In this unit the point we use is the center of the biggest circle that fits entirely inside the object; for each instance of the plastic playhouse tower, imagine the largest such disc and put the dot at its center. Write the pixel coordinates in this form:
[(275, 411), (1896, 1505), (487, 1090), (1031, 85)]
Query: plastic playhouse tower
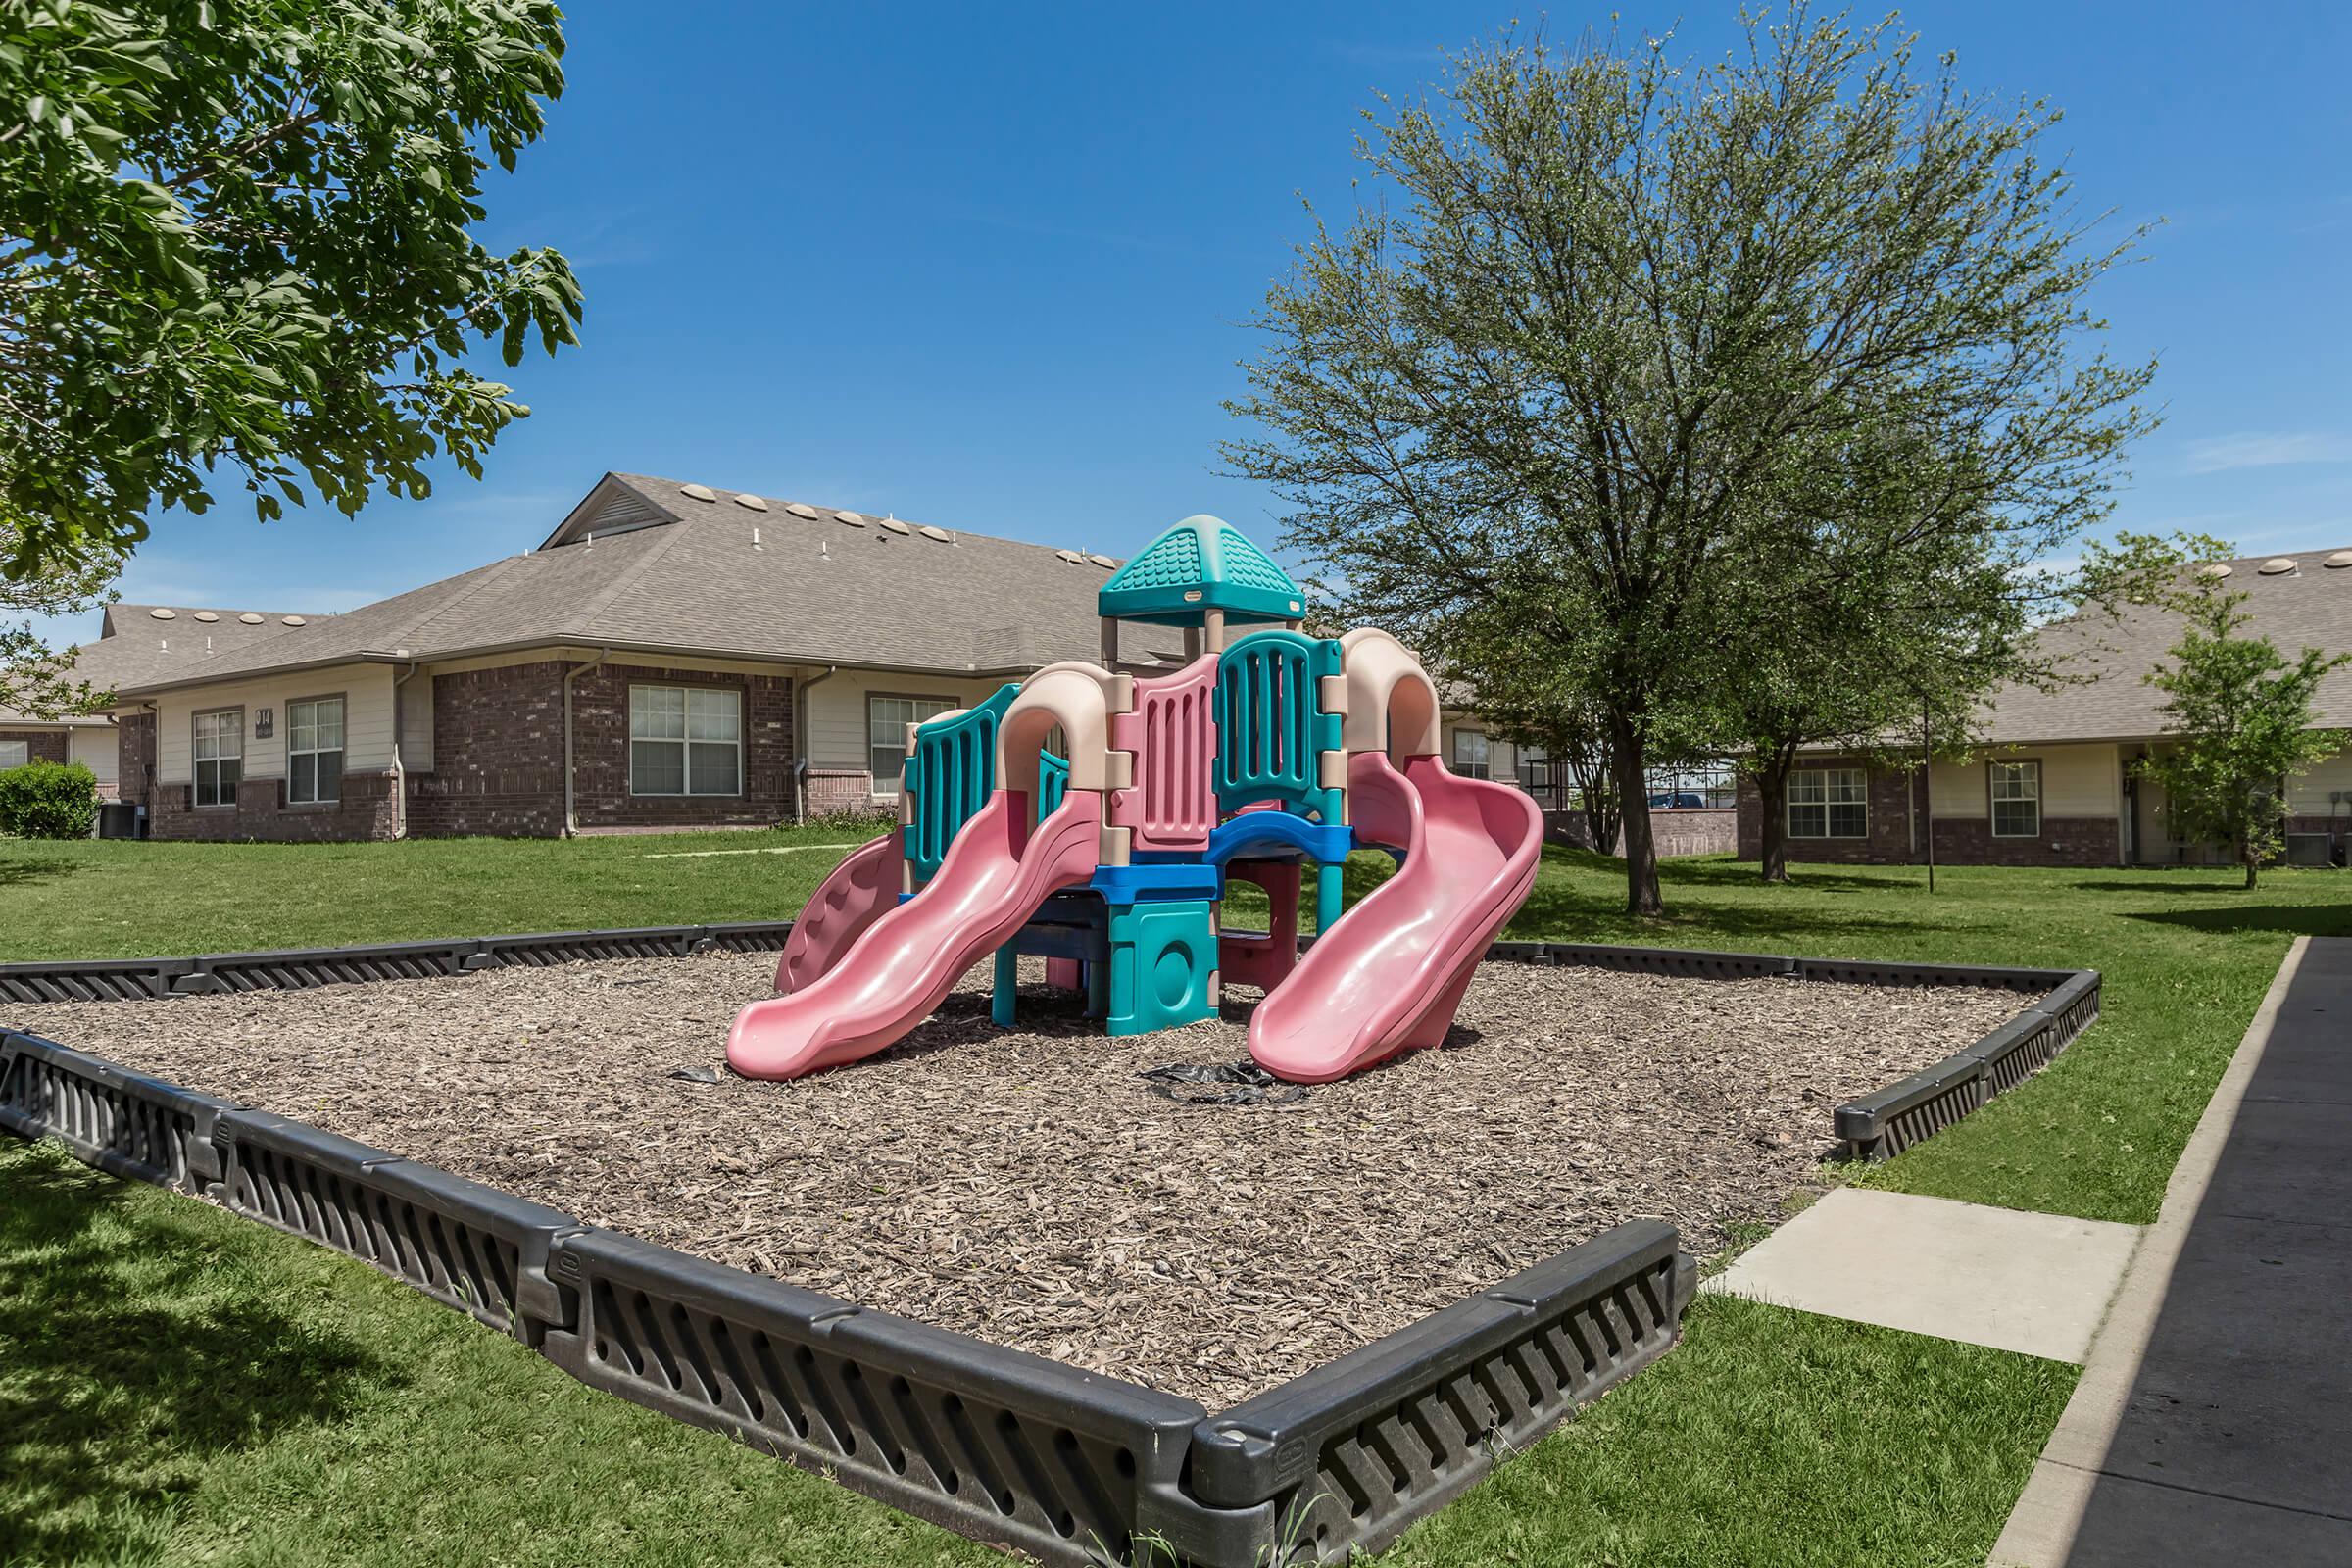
[(1269, 751)]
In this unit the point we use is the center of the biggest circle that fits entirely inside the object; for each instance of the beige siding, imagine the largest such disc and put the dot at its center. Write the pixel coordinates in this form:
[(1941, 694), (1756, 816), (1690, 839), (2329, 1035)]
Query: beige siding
[(366, 690), (97, 749), (2307, 793), (2077, 781), (416, 703), (1501, 760), (837, 709)]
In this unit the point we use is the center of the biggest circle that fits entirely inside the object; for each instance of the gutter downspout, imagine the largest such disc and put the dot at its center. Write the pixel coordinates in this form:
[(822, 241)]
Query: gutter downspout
[(800, 742), (400, 770), (155, 745), (571, 816)]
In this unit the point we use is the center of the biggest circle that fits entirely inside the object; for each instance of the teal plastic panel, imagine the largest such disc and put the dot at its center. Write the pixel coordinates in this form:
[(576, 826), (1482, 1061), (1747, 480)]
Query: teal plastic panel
[(952, 772), (1270, 736), (1162, 954)]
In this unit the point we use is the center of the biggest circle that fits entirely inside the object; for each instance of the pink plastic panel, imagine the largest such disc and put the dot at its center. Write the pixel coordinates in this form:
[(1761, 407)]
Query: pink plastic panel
[(1173, 734)]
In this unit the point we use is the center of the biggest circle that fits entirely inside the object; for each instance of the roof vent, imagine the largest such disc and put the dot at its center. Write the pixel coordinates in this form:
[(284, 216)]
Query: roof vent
[(1071, 555), (208, 616), (895, 525), (753, 501), (253, 617), (1102, 561), (699, 492), (940, 534), (2215, 572), (2342, 558), (2278, 565), (851, 518), (802, 509), (293, 621), (164, 612)]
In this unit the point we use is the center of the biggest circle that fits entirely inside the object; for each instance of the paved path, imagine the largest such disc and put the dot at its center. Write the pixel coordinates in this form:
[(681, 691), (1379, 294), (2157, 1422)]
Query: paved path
[(2035, 1283), (2214, 1420)]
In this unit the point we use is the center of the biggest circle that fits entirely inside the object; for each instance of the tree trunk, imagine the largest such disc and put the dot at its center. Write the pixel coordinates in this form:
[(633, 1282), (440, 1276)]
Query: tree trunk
[(1772, 787), (1596, 793), (1641, 895), (2248, 853)]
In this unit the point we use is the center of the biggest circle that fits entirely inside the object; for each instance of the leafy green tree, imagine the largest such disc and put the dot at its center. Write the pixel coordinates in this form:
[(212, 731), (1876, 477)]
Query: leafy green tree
[(1616, 322), (36, 680), (1520, 698), (2243, 713), (239, 240)]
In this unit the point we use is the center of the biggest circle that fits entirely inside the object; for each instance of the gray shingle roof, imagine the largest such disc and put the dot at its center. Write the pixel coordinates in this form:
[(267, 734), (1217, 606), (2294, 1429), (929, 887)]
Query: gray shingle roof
[(138, 647), (682, 574), (2310, 607)]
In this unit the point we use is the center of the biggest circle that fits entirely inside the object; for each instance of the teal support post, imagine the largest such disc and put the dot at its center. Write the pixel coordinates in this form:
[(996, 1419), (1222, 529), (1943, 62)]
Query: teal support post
[(1005, 999), (1327, 897)]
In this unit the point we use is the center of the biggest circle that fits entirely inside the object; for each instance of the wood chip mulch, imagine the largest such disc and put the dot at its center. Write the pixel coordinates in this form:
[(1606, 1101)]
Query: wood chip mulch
[(1031, 1188)]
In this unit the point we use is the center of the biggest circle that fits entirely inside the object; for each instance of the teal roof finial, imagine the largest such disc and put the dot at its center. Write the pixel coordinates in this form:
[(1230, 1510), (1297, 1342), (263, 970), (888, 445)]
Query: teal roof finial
[(1201, 564)]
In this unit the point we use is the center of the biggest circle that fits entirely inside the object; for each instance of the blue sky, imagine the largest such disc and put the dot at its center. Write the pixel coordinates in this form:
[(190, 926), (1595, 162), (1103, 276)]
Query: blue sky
[(983, 267)]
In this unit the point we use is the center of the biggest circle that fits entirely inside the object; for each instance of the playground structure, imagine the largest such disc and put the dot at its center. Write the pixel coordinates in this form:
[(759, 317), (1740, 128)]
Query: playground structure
[(1094, 818)]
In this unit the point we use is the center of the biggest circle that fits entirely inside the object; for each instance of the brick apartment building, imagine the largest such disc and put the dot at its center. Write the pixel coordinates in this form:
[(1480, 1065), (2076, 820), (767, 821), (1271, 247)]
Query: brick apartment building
[(2053, 780), (670, 657)]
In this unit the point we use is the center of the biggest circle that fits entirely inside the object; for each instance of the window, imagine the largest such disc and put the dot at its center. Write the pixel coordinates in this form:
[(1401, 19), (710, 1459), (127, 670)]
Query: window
[(886, 721), (1535, 769), (2016, 800), (15, 753), (220, 756), (315, 751), (685, 740), (1829, 803), (1470, 752)]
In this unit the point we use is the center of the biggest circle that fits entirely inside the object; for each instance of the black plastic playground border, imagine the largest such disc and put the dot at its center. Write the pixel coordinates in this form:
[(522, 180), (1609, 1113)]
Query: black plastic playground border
[(1882, 1124), (1071, 1467)]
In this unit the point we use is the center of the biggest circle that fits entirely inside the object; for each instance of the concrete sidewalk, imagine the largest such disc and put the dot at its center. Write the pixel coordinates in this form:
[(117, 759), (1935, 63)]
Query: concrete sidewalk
[(2214, 1418)]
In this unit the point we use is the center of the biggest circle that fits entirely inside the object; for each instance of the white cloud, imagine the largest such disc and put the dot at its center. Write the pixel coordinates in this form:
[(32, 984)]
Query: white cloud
[(2257, 449)]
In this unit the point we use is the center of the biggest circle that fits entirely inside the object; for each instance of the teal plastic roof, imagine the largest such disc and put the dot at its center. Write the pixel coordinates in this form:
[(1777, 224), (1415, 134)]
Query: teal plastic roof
[(1201, 565)]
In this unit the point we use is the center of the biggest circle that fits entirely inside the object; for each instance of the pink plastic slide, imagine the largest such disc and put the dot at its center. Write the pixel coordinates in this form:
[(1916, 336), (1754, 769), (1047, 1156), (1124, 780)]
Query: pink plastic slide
[(996, 872), (860, 891), (1391, 974)]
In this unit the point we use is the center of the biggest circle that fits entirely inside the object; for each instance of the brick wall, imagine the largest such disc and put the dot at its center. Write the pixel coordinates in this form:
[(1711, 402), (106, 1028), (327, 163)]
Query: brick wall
[(2063, 841), (43, 745), (1959, 841), (1895, 801), (839, 789), (134, 756), (366, 812), (498, 754), (600, 719)]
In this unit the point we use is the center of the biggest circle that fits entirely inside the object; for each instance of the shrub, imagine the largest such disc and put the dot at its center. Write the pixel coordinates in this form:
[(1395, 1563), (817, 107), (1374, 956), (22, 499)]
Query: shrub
[(49, 801)]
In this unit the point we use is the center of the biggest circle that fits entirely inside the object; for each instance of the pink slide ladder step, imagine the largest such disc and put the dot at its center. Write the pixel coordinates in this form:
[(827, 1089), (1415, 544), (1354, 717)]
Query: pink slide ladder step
[(996, 874), (1391, 974), (860, 891)]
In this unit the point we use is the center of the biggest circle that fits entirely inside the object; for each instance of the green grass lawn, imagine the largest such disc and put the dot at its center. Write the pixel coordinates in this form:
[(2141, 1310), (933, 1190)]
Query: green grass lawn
[(178, 1386)]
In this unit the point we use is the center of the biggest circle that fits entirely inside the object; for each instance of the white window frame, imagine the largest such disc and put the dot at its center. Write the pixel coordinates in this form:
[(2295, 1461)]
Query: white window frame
[(686, 741), (1819, 788), (233, 733), (2023, 778), (913, 708), (1472, 761), (15, 753), (294, 729)]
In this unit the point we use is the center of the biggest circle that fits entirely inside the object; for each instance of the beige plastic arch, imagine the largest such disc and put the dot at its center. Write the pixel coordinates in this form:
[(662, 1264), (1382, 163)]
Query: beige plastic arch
[(1392, 703), (1078, 697)]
